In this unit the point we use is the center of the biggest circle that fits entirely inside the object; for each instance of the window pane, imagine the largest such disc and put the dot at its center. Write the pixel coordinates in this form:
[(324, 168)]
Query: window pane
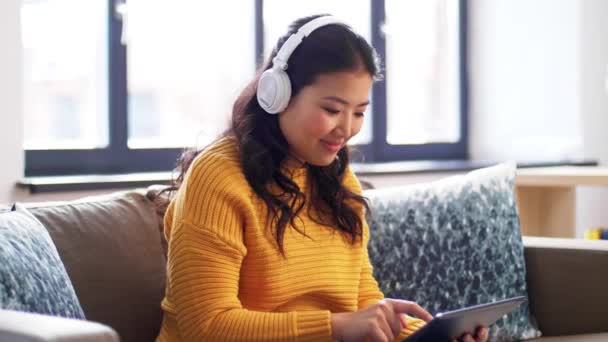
[(187, 62), (65, 73), (278, 14), (422, 90)]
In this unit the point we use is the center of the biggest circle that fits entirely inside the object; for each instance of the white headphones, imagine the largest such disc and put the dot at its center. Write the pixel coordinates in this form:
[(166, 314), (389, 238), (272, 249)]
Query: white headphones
[(274, 86)]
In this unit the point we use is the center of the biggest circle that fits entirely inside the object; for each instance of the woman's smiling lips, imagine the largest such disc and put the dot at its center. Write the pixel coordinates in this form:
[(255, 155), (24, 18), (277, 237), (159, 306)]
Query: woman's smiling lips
[(332, 146)]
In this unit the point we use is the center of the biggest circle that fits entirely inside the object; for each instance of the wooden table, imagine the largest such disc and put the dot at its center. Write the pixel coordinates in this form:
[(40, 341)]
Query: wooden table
[(546, 197)]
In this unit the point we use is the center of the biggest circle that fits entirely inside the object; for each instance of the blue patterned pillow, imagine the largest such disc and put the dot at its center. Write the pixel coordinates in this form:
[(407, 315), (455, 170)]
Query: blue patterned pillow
[(453, 243), (32, 276)]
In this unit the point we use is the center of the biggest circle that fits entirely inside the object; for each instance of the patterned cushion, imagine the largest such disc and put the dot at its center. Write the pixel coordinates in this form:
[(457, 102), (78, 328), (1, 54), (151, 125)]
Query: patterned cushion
[(453, 243), (32, 276)]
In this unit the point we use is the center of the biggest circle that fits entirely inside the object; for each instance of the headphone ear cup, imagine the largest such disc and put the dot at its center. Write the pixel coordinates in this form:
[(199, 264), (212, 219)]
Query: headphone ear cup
[(274, 91)]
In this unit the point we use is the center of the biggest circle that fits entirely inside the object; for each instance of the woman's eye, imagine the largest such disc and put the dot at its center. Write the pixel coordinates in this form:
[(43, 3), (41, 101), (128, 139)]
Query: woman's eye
[(331, 111), (360, 114)]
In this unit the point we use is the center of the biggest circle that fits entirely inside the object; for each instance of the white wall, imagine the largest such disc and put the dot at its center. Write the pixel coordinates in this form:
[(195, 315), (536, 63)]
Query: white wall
[(537, 75), (10, 99), (593, 46), (524, 88)]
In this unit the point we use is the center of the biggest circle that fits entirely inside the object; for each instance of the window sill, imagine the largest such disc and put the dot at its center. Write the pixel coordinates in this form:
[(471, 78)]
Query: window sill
[(41, 184), (427, 166), (132, 180)]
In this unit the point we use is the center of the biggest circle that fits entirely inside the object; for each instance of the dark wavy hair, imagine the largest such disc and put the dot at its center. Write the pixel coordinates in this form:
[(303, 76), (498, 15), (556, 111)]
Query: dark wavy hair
[(263, 148)]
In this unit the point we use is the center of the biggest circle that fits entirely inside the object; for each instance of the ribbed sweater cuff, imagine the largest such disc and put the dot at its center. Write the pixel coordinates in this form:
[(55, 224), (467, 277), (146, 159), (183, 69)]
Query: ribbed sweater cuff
[(413, 324), (314, 325)]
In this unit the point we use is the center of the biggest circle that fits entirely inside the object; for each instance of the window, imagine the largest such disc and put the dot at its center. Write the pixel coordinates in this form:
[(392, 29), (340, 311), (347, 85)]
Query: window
[(124, 87), (65, 74), (422, 98), (184, 74)]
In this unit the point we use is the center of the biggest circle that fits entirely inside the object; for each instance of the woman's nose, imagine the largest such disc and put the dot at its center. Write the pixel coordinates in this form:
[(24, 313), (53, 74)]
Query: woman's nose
[(345, 124)]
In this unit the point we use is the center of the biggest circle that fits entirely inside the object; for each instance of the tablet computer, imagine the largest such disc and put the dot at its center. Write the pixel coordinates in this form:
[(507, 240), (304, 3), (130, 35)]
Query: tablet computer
[(453, 324)]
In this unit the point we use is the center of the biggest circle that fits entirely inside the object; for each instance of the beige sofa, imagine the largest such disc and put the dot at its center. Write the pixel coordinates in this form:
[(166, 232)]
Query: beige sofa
[(113, 251)]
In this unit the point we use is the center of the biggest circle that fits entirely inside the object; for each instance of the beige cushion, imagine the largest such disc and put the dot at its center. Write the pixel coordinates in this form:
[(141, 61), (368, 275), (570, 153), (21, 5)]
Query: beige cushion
[(111, 249)]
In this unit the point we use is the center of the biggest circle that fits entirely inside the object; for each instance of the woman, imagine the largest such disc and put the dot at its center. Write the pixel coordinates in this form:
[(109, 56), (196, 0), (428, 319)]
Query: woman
[(266, 232)]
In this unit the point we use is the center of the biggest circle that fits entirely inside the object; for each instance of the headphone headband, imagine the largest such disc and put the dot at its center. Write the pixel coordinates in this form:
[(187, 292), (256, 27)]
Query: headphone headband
[(280, 61)]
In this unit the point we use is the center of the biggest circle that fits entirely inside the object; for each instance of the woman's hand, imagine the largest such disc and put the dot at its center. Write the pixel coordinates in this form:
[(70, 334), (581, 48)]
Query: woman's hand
[(380, 322), (481, 335)]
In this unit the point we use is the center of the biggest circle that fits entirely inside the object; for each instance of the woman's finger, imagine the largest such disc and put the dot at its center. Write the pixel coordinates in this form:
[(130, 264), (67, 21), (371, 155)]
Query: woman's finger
[(407, 307), (468, 338), (392, 318), (482, 334), (381, 334), (388, 331)]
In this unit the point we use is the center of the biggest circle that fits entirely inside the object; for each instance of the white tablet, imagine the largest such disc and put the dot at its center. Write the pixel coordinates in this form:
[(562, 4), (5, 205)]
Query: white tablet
[(453, 324)]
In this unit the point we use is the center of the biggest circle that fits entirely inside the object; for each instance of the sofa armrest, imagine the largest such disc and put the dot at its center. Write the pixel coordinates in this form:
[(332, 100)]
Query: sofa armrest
[(567, 283), (18, 326)]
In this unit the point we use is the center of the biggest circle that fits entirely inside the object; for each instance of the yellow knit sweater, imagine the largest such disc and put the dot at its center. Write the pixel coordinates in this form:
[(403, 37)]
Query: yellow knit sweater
[(226, 280)]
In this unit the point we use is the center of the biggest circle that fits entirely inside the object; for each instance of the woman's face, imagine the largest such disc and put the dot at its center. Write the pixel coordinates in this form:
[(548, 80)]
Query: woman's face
[(322, 118)]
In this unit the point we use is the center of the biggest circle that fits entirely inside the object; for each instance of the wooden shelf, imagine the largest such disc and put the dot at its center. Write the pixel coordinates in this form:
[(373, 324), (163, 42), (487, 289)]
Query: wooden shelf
[(546, 198), (562, 176)]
